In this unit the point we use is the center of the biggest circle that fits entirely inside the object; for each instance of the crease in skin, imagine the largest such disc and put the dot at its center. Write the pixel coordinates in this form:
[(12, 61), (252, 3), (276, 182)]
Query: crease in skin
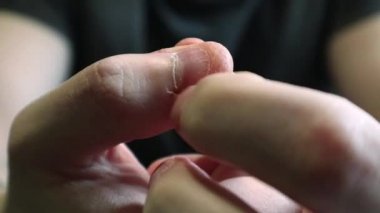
[(174, 64)]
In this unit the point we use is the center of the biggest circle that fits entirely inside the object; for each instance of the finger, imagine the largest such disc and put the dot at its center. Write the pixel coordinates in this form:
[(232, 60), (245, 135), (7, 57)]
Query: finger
[(180, 186), (206, 163), (317, 148), (217, 170), (259, 195), (118, 99), (250, 190)]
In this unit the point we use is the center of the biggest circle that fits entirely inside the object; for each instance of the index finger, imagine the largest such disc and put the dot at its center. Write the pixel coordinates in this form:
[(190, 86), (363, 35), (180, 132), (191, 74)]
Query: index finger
[(317, 148), (118, 99)]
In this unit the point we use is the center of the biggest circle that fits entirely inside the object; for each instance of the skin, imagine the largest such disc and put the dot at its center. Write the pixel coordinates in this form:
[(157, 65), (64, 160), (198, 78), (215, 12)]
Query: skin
[(29, 51), (317, 153), (321, 150), (80, 165), (353, 54)]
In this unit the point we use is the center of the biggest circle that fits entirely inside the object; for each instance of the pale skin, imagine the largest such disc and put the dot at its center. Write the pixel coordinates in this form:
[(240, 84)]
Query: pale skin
[(28, 53), (318, 149)]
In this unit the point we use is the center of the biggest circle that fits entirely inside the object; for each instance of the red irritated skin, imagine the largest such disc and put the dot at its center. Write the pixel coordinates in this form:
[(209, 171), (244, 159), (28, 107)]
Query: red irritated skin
[(65, 151)]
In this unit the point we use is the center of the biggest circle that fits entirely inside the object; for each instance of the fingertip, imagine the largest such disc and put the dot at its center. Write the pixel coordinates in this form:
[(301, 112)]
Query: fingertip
[(206, 163), (181, 182), (205, 59), (222, 60), (176, 164), (181, 101), (156, 164), (193, 62)]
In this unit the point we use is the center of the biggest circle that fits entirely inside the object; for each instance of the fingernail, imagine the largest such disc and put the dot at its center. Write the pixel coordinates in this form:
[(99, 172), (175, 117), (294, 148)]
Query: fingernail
[(161, 169), (177, 164)]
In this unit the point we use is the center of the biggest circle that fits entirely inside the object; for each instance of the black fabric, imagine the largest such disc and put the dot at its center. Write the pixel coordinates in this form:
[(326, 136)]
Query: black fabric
[(52, 12), (349, 11), (282, 40)]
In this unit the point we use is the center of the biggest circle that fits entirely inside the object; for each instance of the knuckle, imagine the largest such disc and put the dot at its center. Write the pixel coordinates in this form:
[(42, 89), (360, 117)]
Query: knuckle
[(331, 139), (330, 147), (105, 77), (112, 82)]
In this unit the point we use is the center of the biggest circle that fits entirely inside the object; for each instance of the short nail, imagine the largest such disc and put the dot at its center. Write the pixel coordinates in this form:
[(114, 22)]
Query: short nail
[(178, 164), (161, 169)]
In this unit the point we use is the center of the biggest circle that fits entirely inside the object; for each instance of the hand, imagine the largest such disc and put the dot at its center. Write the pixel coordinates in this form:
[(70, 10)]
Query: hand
[(318, 149), (65, 148)]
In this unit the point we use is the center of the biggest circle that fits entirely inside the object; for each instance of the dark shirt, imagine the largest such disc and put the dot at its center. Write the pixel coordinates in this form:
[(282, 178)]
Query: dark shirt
[(283, 40)]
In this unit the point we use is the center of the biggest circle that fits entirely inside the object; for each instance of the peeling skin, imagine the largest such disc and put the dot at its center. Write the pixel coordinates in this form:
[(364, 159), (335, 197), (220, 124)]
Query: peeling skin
[(174, 64), (174, 61)]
